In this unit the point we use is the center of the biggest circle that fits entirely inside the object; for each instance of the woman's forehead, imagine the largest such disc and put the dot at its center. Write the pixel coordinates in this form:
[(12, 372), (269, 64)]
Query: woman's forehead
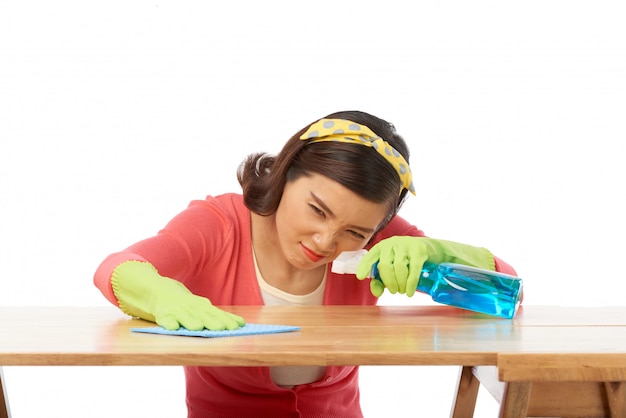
[(338, 199)]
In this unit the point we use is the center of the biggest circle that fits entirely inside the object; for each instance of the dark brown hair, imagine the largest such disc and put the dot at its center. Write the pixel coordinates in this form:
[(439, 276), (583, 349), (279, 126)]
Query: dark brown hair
[(358, 168)]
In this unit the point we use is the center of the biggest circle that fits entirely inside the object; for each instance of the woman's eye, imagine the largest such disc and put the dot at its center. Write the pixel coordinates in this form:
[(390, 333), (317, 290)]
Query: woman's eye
[(317, 210), (356, 234)]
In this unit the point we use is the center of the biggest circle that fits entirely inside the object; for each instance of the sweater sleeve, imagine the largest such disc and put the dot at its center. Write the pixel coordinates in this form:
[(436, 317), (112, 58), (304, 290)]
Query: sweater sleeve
[(183, 247), (504, 267)]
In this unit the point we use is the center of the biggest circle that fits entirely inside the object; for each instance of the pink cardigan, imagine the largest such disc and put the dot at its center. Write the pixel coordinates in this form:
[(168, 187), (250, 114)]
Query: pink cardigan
[(208, 248)]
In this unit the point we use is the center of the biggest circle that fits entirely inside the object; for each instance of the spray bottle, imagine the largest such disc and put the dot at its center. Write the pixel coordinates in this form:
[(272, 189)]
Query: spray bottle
[(465, 287)]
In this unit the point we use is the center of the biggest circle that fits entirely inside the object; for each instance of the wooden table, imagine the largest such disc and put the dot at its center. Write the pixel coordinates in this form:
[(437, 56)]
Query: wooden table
[(541, 346)]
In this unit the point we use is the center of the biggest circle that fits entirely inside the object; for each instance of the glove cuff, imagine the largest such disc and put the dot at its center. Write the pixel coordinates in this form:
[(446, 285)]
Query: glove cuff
[(454, 252), (128, 281)]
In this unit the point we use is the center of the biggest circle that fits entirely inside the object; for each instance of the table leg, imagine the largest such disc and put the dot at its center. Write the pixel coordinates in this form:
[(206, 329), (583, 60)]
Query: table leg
[(465, 394), (515, 401), (616, 398), (4, 400)]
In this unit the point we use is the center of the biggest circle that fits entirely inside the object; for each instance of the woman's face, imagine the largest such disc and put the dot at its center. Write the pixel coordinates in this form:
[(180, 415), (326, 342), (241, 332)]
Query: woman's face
[(318, 218)]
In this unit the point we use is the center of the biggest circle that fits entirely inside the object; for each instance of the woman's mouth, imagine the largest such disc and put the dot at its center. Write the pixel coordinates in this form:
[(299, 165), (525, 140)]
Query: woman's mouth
[(311, 255)]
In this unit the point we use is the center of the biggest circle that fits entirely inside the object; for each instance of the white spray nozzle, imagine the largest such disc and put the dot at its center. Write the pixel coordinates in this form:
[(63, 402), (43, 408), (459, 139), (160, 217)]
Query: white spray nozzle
[(347, 262)]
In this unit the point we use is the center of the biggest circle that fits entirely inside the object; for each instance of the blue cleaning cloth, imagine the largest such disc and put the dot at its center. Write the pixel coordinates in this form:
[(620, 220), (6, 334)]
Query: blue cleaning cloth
[(248, 329)]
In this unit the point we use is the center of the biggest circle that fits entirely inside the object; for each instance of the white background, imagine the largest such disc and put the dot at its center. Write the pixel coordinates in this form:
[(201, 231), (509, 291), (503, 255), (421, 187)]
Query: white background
[(115, 114)]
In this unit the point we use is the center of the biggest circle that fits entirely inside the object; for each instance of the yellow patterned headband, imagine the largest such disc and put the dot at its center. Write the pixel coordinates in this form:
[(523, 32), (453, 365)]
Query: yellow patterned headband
[(341, 130)]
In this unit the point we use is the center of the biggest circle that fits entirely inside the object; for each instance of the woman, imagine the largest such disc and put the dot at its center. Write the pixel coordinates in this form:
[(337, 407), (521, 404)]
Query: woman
[(336, 186)]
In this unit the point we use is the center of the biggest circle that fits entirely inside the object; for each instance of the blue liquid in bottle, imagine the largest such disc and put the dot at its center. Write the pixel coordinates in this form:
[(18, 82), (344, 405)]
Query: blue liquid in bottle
[(470, 288)]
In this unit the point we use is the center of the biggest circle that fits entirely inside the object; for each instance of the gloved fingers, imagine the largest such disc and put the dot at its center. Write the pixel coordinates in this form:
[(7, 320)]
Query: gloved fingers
[(401, 270), (203, 314), (367, 262), (239, 321), (167, 321), (386, 269), (213, 322), (188, 314), (172, 317), (218, 319), (191, 312), (191, 322), (414, 271), (377, 288)]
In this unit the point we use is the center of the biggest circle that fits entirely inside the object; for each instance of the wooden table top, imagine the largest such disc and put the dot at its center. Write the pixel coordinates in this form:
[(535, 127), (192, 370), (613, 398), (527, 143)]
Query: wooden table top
[(330, 335)]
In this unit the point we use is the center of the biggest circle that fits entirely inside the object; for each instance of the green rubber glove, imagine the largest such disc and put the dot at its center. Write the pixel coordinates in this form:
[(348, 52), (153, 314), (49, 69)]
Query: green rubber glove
[(400, 261), (143, 293)]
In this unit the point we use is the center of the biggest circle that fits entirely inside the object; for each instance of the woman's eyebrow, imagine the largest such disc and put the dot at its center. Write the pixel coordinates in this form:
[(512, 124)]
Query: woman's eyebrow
[(331, 214), (322, 204)]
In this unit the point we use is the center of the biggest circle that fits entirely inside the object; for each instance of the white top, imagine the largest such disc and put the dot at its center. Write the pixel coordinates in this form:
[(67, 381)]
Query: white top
[(290, 376)]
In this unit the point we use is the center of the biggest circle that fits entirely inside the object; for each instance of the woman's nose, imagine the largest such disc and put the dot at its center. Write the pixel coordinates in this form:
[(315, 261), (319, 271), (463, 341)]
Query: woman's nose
[(324, 240)]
